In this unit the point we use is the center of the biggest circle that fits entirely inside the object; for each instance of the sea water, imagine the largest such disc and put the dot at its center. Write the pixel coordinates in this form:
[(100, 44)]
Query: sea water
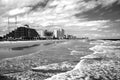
[(106, 46)]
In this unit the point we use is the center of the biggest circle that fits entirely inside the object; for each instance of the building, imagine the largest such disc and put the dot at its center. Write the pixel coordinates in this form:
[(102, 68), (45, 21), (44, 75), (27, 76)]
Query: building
[(1, 38), (48, 34), (55, 33), (70, 37), (62, 33), (59, 33), (22, 33), (42, 34)]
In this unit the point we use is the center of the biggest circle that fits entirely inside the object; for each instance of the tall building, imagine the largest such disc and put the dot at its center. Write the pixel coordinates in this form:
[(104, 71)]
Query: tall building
[(42, 35), (59, 33), (62, 33), (55, 33)]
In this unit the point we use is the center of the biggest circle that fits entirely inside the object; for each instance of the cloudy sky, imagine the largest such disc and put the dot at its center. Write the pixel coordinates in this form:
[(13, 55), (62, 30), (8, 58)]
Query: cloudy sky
[(92, 18)]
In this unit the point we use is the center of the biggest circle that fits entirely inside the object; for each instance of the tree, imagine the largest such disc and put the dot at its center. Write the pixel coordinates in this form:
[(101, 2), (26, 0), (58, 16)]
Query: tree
[(48, 33)]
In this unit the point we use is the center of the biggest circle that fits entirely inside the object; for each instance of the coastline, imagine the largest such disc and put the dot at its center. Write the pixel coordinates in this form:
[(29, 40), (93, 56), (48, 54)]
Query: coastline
[(46, 58), (96, 66), (15, 47)]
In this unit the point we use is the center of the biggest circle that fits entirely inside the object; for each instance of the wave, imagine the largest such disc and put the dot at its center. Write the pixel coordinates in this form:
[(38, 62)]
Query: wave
[(107, 47), (80, 53), (74, 52), (103, 64), (97, 42)]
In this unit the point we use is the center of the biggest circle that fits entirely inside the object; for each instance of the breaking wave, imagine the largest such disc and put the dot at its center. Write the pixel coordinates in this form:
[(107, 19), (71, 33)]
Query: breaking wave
[(95, 66), (107, 47)]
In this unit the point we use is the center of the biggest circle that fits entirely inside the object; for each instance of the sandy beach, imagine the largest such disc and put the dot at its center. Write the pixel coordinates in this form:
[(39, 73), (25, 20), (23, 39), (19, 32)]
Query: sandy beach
[(72, 59)]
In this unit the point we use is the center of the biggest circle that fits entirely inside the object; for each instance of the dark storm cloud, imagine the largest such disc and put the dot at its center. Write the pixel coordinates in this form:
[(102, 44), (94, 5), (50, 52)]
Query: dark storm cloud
[(111, 12), (39, 5)]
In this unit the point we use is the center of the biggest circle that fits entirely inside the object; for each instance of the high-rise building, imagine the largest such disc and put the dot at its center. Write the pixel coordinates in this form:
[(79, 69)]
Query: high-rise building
[(55, 33), (59, 33), (42, 34), (62, 33)]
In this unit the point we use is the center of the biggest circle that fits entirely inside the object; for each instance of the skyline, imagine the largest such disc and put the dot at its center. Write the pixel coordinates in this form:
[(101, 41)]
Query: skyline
[(91, 18)]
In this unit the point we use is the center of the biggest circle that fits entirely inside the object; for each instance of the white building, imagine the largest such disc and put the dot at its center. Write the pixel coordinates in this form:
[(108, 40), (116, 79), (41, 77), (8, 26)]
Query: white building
[(42, 33), (55, 33), (59, 33)]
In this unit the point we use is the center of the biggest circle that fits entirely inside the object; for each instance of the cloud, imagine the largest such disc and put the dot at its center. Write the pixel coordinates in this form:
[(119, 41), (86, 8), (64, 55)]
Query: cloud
[(59, 5), (106, 3), (93, 35), (116, 34), (40, 5), (11, 5), (118, 20), (61, 13), (19, 3), (18, 11)]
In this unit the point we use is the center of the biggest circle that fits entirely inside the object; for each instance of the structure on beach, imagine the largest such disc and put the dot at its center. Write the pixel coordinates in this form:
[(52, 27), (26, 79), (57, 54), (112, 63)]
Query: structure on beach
[(22, 33), (55, 34), (59, 33)]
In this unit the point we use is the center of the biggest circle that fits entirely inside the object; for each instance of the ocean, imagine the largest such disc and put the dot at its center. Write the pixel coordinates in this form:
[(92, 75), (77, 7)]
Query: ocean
[(105, 46), (102, 64)]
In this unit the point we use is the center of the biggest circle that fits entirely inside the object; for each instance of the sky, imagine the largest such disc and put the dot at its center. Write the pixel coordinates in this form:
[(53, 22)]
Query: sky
[(90, 18)]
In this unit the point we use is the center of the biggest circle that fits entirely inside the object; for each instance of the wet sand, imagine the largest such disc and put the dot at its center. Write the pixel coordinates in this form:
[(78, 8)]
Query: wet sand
[(10, 49)]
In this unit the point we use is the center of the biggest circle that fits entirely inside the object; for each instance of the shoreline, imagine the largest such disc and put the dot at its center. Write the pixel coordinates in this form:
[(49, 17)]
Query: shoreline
[(96, 66), (17, 46), (40, 59)]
